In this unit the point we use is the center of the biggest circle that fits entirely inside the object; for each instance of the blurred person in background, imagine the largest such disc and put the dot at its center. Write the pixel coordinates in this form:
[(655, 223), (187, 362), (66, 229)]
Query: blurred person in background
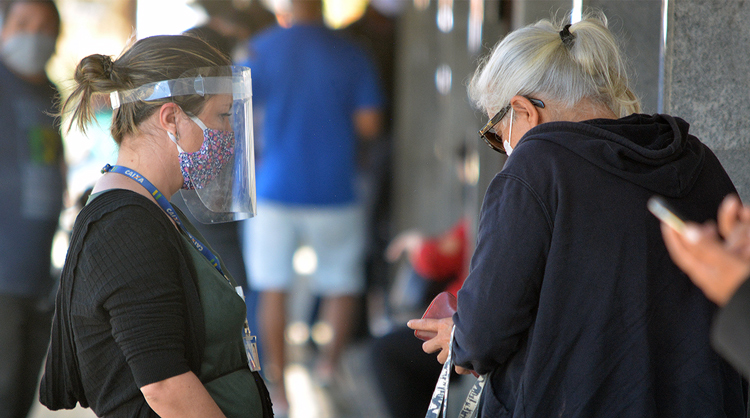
[(230, 25), (148, 319), (320, 93), (428, 265), (32, 183), (406, 375), (376, 30)]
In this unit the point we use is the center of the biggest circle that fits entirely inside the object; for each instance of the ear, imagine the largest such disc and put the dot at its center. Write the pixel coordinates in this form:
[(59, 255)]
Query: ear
[(525, 109), (168, 117)]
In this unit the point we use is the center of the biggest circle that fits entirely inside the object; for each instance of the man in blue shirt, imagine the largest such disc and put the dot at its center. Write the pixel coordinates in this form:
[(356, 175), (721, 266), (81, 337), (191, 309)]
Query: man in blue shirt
[(31, 187), (319, 93)]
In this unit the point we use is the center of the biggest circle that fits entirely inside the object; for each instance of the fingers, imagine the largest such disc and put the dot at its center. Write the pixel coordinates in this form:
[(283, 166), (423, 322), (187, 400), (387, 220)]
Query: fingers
[(695, 252), (442, 356), (705, 259), (730, 213), (745, 214), (734, 226), (681, 248), (434, 345), (441, 342), (424, 324), (738, 240), (461, 370)]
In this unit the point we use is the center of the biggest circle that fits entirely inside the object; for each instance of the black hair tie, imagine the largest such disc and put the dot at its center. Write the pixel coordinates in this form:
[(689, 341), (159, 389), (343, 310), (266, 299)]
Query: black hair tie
[(567, 37), (108, 66)]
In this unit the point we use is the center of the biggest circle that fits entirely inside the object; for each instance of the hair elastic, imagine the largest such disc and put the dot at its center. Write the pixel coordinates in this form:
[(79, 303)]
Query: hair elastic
[(567, 37), (108, 66)]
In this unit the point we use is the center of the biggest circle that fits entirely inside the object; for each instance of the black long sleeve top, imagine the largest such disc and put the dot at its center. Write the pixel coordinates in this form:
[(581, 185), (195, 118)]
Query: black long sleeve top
[(127, 295), (572, 303)]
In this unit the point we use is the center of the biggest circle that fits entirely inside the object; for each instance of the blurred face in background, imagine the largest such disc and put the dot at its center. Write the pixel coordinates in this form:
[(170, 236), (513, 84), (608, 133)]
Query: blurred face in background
[(28, 38)]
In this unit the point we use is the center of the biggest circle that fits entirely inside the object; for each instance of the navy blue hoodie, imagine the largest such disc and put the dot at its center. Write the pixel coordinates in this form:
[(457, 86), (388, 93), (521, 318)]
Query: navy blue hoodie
[(572, 303)]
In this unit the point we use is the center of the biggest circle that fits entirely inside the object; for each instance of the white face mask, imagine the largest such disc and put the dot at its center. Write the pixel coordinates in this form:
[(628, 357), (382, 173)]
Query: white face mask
[(27, 53), (506, 143)]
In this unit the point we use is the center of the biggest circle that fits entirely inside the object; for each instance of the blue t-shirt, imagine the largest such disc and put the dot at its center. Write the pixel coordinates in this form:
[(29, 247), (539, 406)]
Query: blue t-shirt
[(308, 83), (31, 185)]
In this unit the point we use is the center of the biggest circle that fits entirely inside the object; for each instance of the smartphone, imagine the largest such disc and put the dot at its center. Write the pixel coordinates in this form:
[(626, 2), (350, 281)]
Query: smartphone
[(659, 207)]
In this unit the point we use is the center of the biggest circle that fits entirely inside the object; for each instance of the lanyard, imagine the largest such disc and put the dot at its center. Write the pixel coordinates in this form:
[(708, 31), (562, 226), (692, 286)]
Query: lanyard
[(164, 203), (439, 403), (248, 340)]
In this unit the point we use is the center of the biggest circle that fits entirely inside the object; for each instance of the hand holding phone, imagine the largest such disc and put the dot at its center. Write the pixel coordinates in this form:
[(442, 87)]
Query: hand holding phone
[(659, 207), (443, 305)]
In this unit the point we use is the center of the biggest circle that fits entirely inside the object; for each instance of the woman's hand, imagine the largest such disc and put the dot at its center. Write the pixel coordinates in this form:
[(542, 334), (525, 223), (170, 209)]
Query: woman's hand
[(718, 268), (405, 242), (439, 343)]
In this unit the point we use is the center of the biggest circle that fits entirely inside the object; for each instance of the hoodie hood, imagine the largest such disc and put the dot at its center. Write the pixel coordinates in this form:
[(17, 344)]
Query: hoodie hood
[(653, 151)]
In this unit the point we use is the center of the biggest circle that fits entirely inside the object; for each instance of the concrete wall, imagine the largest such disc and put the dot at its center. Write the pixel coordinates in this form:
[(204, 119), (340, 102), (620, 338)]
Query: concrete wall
[(431, 127), (637, 24), (707, 79)]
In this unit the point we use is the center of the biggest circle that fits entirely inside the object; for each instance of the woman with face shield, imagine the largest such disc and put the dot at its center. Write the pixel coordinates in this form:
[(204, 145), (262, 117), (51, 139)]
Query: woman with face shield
[(572, 307), (148, 321)]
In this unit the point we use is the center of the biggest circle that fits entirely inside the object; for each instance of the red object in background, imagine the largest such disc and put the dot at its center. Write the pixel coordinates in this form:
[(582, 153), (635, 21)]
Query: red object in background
[(445, 257)]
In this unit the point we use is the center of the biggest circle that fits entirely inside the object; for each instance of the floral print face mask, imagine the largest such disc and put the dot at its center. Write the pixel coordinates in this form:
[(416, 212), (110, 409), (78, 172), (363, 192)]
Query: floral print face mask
[(202, 166)]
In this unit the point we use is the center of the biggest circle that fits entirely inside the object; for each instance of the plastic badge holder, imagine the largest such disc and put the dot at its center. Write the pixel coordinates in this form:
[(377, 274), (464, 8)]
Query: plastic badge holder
[(443, 306)]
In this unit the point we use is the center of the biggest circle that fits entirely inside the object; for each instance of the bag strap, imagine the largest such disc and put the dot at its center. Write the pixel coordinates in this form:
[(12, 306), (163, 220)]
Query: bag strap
[(439, 403)]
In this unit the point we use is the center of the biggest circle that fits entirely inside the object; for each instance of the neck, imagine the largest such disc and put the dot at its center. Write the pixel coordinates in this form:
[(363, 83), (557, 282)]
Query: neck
[(160, 167), (151, 172), (587, 109)]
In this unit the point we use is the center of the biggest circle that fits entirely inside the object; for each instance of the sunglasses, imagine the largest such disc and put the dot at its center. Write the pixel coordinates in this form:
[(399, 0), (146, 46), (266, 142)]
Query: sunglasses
[(492, 137)]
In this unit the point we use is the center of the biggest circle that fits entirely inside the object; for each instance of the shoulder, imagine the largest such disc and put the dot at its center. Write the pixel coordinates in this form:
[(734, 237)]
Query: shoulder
[(267, 40), (125, 241), (125, 204), (268, 33), (535, 158), (123, 216)]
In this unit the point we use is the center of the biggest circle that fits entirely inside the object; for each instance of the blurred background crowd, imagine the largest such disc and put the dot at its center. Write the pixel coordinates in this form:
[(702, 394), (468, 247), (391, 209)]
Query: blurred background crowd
[(420, 170)]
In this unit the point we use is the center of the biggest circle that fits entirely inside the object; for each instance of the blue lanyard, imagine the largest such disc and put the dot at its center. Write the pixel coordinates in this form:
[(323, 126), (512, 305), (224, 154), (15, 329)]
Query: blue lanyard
[(164, 203)]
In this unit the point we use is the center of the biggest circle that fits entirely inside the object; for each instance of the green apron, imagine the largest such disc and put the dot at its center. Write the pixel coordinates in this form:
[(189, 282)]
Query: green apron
[(224, 371)]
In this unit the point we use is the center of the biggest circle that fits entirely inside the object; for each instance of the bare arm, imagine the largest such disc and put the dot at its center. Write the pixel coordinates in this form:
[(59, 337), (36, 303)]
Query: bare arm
[(181, 396), (368, 122)]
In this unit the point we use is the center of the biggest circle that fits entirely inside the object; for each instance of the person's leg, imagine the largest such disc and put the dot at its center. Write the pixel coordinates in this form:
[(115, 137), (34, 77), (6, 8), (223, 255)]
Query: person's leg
[(12, 312), (340, 313), (269, 245), (337, 235), (272, 321)]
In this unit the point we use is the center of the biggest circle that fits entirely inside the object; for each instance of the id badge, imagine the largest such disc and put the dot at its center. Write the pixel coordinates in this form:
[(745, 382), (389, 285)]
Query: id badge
[(250, 341), (251, 348)]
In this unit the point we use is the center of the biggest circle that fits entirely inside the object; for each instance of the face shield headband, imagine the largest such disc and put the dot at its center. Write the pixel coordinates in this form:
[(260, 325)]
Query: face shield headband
[(229, 193)]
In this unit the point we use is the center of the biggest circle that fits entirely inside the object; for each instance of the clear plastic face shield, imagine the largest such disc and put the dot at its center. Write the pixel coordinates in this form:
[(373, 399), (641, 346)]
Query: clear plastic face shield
[(221, 175)]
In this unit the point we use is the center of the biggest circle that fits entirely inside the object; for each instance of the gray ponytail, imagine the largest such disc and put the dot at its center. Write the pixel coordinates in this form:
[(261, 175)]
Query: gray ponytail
[(564, 64)]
